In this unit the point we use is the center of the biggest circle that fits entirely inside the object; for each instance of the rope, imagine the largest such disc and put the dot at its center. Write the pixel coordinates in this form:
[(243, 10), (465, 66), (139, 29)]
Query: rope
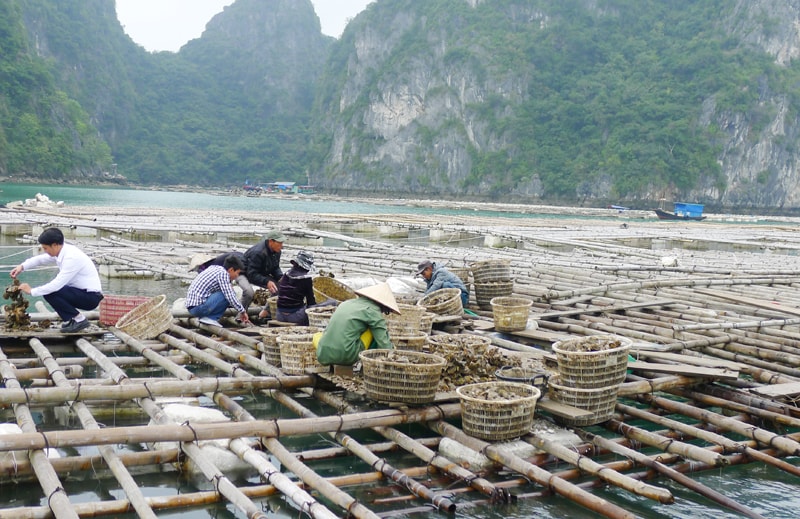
[(187, 424), (50, 497)]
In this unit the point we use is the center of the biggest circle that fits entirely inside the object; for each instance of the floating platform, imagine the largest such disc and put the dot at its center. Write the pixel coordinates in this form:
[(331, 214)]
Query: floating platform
[(713, 383)]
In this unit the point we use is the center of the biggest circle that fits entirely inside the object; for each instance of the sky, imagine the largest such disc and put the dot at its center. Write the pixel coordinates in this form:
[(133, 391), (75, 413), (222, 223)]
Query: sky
[(160, 25)]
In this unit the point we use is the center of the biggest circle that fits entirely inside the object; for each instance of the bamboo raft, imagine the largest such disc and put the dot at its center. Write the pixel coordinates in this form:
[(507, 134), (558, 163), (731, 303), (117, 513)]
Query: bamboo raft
[(713, 315)]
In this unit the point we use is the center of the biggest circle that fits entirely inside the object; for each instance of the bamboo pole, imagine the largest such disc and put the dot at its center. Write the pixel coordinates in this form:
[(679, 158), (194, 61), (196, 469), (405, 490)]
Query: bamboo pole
[(300, 469), (496, 494), (537, 474), (590, 466), (345, 440), (57, 499), (88, 422), (212, 473), (669, 472), (666, 444), (784, 444), (132, 390), (726, 443)]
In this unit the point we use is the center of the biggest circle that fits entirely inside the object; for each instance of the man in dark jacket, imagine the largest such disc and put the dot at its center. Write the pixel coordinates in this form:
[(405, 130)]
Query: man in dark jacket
[(262, 263)]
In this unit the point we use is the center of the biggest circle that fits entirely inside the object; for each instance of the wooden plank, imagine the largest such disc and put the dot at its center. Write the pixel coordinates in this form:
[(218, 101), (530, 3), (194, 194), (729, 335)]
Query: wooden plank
[(688, 359), (682, 369), (561, 410), (760, 303), (604, 309), (775, 390)]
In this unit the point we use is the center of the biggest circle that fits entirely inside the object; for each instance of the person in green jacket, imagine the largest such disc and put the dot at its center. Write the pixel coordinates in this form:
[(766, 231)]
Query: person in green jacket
[(356, 325)]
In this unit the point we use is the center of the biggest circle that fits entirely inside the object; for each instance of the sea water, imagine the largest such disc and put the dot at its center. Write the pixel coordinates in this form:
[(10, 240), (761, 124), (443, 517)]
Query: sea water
[(764, 489)]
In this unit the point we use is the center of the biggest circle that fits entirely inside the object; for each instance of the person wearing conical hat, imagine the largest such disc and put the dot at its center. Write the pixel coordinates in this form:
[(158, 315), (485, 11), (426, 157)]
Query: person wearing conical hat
[(356, 325)]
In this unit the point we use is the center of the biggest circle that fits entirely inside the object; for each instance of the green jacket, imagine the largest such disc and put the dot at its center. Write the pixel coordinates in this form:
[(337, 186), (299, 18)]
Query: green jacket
[(341, 341)]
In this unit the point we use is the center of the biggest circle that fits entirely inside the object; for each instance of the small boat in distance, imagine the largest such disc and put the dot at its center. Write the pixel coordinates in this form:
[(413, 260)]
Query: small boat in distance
[(683, 211)]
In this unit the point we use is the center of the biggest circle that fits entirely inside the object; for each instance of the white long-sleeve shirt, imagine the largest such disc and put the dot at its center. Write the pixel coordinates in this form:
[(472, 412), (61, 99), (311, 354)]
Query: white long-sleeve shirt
[(75, 269)]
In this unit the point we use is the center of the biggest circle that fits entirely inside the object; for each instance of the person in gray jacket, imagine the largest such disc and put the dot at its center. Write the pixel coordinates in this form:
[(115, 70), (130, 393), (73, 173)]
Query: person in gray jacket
[(437, 277)]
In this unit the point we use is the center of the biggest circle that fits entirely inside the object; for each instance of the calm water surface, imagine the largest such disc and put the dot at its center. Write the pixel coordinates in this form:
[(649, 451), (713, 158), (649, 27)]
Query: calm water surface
[(764, 489)]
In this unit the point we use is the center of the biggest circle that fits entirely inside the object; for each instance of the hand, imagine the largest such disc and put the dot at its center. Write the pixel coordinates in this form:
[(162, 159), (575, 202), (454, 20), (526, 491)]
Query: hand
[(25, 288), (272, 287), (16, 271), (243, 317)]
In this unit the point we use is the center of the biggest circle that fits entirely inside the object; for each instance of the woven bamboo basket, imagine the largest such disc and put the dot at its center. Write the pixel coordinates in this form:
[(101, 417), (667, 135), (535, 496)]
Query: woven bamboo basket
[(445, 301), (320, 316), (600, 401), (461, 272), (409, 377), (593, 361), (497, 411), (491, 270), (407, 322), (269, 339), (426, 322), (272, 302), (485, 292), (147, 320), (326, 287), (510, 313), (298, 355), (112, 307), (409, 342), (449, 345)]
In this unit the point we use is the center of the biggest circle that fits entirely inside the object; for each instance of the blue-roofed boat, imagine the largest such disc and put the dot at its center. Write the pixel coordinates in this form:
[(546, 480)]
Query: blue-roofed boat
[(682, 211)]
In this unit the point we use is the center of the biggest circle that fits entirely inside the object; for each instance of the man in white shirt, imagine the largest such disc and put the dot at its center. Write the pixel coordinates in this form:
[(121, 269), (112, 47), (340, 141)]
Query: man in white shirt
[(77, 284)]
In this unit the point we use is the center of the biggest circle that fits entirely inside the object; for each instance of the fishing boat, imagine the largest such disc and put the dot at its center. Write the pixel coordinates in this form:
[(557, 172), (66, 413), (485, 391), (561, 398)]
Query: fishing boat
[(682, 211)]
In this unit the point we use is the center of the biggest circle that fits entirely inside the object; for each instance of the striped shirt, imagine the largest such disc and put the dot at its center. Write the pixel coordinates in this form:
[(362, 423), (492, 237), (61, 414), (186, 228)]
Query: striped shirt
[(213, 279)]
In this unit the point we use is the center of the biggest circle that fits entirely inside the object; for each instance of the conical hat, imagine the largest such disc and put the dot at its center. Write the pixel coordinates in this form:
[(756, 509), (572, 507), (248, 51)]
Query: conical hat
[(381, 294), (199, 259)]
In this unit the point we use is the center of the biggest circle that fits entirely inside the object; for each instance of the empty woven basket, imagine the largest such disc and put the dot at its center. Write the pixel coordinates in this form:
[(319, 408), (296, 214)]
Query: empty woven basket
[(510, 313), (445, 301), (147, 320)]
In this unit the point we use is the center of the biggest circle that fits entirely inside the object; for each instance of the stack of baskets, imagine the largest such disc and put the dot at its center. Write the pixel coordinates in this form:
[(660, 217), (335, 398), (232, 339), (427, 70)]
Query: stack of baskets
[(492, 278), (298, 355), (445, 301), (591, 370), (408, 377), (320, 316), (510, 313), (271, 352), (147, 320), (405, 328), (497, 411), (326, 287)]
